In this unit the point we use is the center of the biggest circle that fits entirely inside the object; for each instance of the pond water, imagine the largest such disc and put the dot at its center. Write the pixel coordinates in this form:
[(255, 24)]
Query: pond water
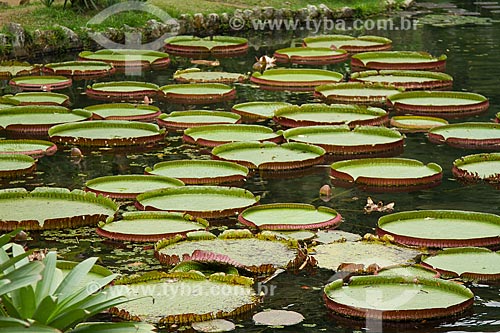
[(473, 57)]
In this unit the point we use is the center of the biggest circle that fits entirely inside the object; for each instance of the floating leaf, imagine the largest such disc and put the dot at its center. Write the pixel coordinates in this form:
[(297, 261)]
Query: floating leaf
[(214, 135), (295, 79), (124, 111), (408, 60), (356, 92), (41, 83), (216, 325), (278, 317), (34, 148), (349, 43), (409, 80), (412, 124), (196, 75), (258, 110), (219, 46), (310, 55), (13, 165), (122, 90), (79, 69), (475, 135), (129, 58), (478, 167), (197, 93), (180, 120), (37, 98)]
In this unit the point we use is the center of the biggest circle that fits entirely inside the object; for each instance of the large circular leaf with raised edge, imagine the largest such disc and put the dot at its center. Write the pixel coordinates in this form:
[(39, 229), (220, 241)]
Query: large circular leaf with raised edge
[(386, 174), (397, 298), (478, 167), (295, 78), (219, 46), (34, 148), (37, 98), (289, 216), (5, 103), (112, 133), (150, 226), (200, 171), (409, 80), (214, 135), (334, 114), (123, 58), (13, 165), (52, 208), (258, 110), (408, 60), (124, 111), (278, 318), (413, 124), (129, 186), (180, 120), (79, 69), (468, 263), (122, 90), (341, 140), (416, 270), (473, 135), (215, 325), (41, 83), (269, 155), (441, 228), (356, 92), (199, 201), (349, 43), (197, 93), (9, 69), (445, 104), (310, 55), (196, 75)]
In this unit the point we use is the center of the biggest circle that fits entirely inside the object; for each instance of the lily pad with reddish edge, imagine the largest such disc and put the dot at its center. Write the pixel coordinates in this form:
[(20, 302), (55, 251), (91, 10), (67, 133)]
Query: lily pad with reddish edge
[(196, 75), (473, 135), (255, 111), (349, 43), (10, 69), (200, 201), (33, 148), (218, 46), (340, 140), (356, 92), (197, 172), (301, 79), (332, 236), (129, 186), (52, 208), (150, 226), (107, 133), (468, 263), (180, 120), (441, 228), (4, 103), (386, 174), (445, 104), (416, 270), (124, 111), (234, 247), (269, 155), (310, 55), (409, 80), (41, 83), (37, 98), (278, 318), (334, 114), (14, 165), (398, 298), (215, 135), (122, 91), (128, 58), (415, 124), (478, 167), (197, 93), (79, 69), (289, 216), (402, 60)]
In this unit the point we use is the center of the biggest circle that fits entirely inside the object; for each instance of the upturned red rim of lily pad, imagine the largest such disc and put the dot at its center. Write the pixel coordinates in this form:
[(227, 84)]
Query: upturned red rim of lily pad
[(128, 58), (80, 70), (468, 168), (201, 135), (218, 46), (122, 91), (15, 165), (310, 55), (41, 83), (146, 113), (43, 148), (398, 60), (12, 68), (305, 79), (466, 139), (192, 93), (374, 94), (172, 122), (351, 44), (415, 124), (36, 98), (423, 80)]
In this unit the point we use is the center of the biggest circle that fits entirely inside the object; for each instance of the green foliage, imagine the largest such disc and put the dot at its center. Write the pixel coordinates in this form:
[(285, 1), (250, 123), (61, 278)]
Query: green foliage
[(47, 3)]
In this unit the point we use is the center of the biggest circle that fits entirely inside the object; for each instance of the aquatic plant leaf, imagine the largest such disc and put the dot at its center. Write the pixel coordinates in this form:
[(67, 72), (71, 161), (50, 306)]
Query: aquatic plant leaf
[(356, 92), (122, 90), (411, 124), (214, 135), (258, 110), (278, 317), (124, 111), (222, 46), (473, 135), (34, 148), (349, 43), (122, 58), (196, 75), (417, 270), (408, 60), (409, 80), (478, 167), (216, 325), (310, 55), (37, 98), (11, 68), (79, 69), (197, 93), (299, 78), (41, 83), (12, 165)]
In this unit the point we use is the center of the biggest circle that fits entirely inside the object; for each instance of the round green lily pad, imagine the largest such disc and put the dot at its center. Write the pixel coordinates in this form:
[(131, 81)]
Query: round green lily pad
[(295, 79), (341, 140), (79, 69), (150, 226), (258, 110), (289, 216), (13, 165), (129, 186), (216, 325), (412, 124), (417, 270), (214, 135), (219, 46), (407, 60), (124, 111), (278, 318), (446, 104), (468, 263), (269, 155), (409, 80), (52, 208), (198, 93), (107, 133), (180, 120), (196, 75), (4, 103), (397, 298), (41, 83), (195, 172), (356, 92), (122, 90), (349, 43), (37, 98), (441, 228), (334, 114), (34, 148), (477, 167), (386, 174), (123, 58), (473, 135), (199, 201), (310, 55), (9, 69)]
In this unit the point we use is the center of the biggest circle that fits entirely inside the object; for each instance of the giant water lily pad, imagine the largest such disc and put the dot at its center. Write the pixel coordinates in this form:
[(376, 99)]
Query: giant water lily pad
[(270, 156), (397, 298), (335, 114), (124, 111), (356, 92), (34, 148), (41, 83), (196, 75), (417, 270), (180, 120), (110, 133), (37, 98), (222, 46), (214, 135), (258, 110), (469, 263), (289, 216), (80, 69), (475, 135), (13, 165), (409, 80), (412, 124), (215, 325), (9, 69), (200, 201), (200, 171), (386, 174), (278, 318), (198, 93), (310, 55), (446, 104), (122, 90), (341, 140), (150, 226), (52, 208), (477, 167), (349, 43), (442, 228), (296, 79), (123, 58), (129, 186), (408, 60)]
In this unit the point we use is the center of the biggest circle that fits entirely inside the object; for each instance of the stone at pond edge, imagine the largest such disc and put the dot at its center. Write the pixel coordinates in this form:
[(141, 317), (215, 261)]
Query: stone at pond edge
[(278, 318), (212, 326)]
